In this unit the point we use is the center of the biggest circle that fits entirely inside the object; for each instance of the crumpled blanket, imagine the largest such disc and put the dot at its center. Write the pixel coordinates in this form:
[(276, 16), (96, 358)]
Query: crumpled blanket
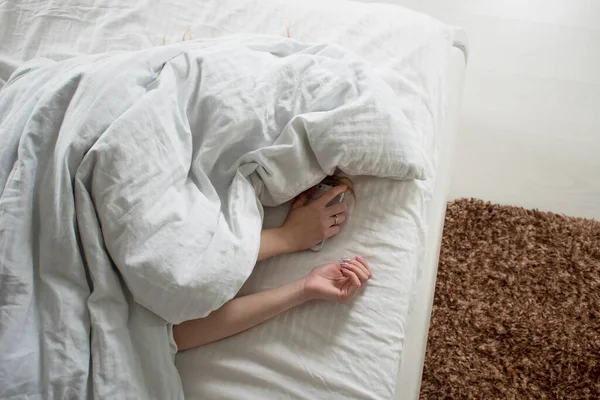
[(131, 194)]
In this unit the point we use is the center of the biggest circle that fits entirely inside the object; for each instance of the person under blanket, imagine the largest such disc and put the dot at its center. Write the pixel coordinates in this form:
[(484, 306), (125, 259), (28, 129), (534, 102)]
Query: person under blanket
[(305, 226)]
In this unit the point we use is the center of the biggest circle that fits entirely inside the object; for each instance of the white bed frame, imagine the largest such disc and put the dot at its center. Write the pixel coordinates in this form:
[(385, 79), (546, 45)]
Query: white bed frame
[(413, 354)]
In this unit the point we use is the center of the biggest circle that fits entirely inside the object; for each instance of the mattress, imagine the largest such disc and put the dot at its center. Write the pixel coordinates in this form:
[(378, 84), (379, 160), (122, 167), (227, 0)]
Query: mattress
[(415, 341), (320, 350)]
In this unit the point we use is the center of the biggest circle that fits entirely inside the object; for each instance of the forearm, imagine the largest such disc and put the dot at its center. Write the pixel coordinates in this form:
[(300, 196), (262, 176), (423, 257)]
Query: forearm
[(239, 314), (272, 243)]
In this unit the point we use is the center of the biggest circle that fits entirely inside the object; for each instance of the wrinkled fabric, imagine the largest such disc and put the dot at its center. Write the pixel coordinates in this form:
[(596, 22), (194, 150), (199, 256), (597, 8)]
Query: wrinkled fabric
[(132, 187)]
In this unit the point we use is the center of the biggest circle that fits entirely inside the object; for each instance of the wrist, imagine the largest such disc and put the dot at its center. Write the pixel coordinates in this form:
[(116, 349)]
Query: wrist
[(285, 240), (308, 293), (302, 294), (273, 242)]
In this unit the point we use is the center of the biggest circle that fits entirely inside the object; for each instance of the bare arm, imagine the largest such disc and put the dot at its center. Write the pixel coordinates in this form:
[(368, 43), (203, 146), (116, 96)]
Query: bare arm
[(272, 243), (239, 314), (332, 281)]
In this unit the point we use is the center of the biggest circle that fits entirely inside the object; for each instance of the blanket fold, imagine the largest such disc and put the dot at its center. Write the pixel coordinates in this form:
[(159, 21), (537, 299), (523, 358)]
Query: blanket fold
[(131, 194)]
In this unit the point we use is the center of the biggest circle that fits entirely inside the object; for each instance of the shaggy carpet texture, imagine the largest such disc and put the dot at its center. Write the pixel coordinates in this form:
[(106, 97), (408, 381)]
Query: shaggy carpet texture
[(516, 312)]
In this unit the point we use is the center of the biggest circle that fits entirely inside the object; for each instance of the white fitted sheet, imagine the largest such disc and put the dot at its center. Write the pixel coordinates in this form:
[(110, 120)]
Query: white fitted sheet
[(326, 350), (319, 350)]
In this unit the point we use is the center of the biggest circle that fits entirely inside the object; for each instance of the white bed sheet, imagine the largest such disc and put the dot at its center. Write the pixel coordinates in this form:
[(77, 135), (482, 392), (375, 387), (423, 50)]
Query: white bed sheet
[(326, 350), (320, 350)]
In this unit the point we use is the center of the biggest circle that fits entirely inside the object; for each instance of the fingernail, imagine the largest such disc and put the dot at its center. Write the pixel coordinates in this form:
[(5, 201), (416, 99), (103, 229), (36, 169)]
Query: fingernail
[(346, 259), (344, 265)]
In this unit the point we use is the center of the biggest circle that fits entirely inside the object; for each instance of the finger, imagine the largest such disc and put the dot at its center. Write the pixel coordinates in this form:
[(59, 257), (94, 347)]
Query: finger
[(330, 195), (361, 273), (332, 231), (348, 291), (365, 264), (358, 264), (336, 208), (340, 219), (352, 276)]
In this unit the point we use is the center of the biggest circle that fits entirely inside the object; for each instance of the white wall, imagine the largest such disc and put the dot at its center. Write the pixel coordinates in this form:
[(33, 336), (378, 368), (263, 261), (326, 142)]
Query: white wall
[(529, 132)]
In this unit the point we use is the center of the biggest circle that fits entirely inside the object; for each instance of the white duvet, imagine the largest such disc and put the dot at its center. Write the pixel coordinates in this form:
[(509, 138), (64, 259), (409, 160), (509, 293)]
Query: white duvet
[(129, 194)]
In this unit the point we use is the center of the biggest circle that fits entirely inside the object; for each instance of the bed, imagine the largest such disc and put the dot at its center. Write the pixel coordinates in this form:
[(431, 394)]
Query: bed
[(374, 347)]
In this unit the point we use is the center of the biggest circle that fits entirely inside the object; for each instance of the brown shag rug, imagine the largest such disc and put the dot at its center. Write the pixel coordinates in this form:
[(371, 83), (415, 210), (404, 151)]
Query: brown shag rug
[(516, 313)]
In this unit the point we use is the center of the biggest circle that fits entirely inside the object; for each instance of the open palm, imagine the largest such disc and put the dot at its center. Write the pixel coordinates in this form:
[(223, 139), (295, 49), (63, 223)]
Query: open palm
[(338, 281)]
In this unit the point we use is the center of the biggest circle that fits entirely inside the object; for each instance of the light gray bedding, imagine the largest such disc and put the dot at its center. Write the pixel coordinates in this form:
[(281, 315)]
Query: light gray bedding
[(131, 193)]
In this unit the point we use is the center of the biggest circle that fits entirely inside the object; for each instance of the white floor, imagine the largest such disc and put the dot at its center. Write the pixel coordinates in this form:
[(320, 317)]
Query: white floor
[(529, 133)]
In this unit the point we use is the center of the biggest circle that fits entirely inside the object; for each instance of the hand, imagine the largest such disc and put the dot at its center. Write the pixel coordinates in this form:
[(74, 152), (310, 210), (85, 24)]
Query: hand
[(309, 224), (337, 281)]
